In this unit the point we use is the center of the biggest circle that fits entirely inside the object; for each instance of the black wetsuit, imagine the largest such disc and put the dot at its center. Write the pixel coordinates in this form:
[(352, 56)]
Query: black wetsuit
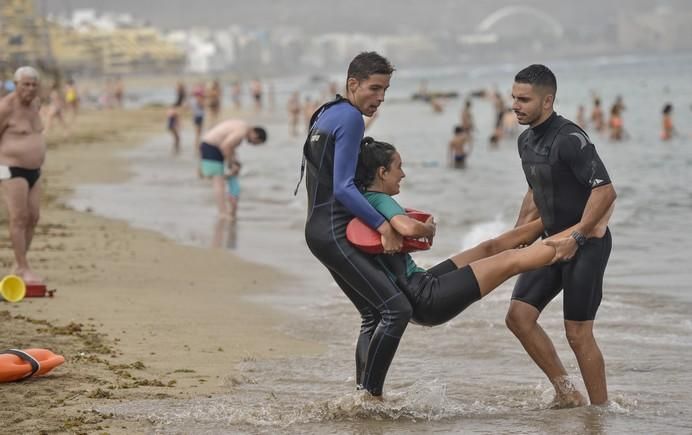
[(562, 167), (330, 155), (437, 295)]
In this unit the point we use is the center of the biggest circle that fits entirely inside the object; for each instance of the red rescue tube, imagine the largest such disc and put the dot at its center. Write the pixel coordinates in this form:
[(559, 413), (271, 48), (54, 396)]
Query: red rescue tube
[(368, 240)]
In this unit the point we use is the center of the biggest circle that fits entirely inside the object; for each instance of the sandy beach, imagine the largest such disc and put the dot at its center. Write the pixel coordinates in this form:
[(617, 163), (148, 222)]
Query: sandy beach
[(135, 315)]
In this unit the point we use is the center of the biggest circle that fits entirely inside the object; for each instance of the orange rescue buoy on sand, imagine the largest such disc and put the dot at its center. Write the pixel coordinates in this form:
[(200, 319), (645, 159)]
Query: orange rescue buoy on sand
[(368, 240), (16, 364)]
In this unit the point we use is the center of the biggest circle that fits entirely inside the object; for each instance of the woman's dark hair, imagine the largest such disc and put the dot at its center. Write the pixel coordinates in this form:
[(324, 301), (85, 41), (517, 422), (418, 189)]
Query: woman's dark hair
[(667, 108), (373, 155)]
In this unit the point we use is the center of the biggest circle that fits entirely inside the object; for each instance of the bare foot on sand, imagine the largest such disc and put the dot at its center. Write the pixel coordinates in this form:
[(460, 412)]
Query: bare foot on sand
[(28, 276)]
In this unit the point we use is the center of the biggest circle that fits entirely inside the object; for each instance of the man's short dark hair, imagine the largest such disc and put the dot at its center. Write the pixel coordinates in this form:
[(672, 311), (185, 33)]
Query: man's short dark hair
[(368, 63), (538, 76), (261, 134)]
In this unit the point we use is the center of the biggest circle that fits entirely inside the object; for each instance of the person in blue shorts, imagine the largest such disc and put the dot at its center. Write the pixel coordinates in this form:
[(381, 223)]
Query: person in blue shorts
[(217, 152), (233, 187)]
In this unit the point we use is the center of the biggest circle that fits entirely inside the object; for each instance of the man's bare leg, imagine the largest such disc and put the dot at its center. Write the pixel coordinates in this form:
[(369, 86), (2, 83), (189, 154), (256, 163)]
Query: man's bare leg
[(522, 320), (219, 185), (16, 194), (34, 204), (590, 359)]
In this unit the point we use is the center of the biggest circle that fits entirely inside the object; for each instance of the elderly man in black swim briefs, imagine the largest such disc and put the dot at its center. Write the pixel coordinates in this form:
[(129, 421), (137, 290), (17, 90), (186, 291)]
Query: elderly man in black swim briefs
[(568, 186), (22, 152)]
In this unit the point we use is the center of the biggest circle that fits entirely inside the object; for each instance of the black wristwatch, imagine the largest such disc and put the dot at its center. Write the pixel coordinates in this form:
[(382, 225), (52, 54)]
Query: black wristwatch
[(579, 237)]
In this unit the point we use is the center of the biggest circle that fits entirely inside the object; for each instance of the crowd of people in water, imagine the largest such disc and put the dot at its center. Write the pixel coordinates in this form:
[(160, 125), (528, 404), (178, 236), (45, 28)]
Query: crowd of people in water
[(204, 101)]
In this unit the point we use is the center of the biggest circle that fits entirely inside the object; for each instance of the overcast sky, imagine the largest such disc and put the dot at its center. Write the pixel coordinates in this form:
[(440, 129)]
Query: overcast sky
[(371, 16)]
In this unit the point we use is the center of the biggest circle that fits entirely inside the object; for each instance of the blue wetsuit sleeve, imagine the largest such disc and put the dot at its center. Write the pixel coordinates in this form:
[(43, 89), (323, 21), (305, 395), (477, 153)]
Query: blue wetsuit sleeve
[(347, 137), (577, 151)]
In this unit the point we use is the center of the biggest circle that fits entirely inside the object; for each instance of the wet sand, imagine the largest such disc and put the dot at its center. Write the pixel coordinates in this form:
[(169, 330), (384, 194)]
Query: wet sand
[(135, 315)]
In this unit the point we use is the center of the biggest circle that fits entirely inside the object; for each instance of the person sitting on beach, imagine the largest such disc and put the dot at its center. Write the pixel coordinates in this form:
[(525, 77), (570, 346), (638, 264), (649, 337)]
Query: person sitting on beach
[(22, 153), (219, 145), (438, 294)]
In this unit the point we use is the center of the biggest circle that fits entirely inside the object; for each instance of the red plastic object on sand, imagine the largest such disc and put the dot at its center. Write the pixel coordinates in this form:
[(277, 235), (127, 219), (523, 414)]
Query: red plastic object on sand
[(16, 364), (368, 240), (38, 291)]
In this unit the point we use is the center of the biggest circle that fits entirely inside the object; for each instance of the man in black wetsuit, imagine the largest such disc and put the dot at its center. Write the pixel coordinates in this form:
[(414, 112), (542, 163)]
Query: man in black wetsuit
[(568, 186)]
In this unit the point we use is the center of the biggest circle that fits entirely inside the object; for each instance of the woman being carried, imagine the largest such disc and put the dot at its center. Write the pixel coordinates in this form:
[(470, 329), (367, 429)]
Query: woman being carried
[(445, 290)]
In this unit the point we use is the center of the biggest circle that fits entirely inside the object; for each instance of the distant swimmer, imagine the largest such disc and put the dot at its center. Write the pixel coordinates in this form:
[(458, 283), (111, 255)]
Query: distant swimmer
[(597, 115), (55, 110), (294, 109), (499, 105), (119, 92), (436, 104), (22, 153), (667, 128), (581, 117), (173, 115), (214, 97), (198, 112), (236, 91), (459, 148), (218, 146), (309, 107), (616, 124), (467, 122), (256, 91), (173, 126), (72, 99), (570, 189)]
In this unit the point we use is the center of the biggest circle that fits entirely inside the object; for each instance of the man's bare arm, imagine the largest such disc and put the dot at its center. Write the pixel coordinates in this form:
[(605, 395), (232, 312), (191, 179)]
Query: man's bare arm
[(528, 211), (598, 207), (230, 143)]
